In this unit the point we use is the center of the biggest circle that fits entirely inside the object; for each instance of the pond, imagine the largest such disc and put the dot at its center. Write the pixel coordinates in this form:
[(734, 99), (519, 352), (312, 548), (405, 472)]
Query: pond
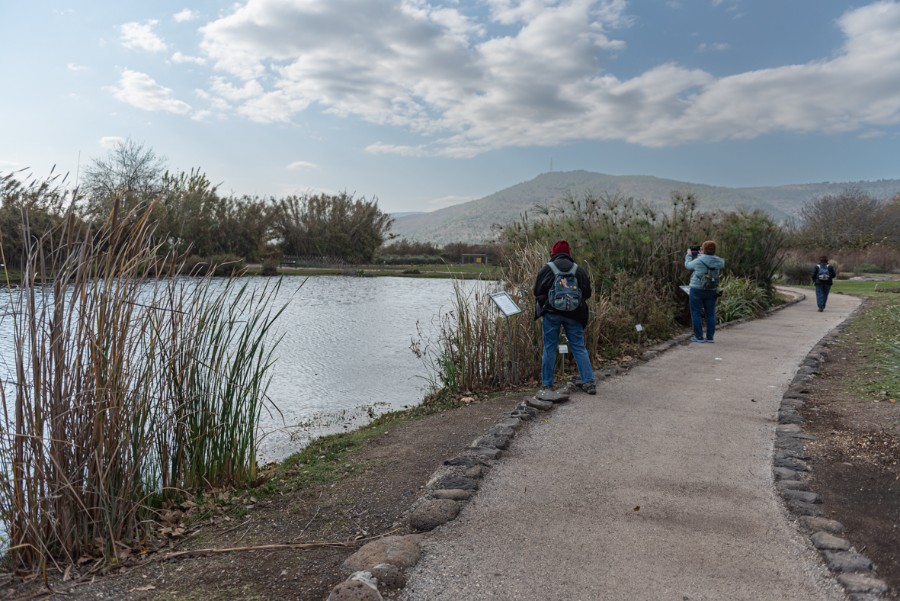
[(345, 354)]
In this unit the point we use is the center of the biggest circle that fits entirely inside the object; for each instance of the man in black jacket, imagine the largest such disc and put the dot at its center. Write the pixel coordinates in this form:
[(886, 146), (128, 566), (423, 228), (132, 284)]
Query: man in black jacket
[(823, 276), (570, 313)]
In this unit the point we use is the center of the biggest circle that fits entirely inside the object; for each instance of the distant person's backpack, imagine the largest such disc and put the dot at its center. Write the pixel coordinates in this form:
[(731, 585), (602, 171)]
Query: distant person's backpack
[(824, 274), (565, 295), (711, 279)]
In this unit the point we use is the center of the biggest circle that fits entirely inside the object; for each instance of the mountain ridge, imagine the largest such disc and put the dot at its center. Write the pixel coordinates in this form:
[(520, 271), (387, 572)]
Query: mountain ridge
[(472, 221)]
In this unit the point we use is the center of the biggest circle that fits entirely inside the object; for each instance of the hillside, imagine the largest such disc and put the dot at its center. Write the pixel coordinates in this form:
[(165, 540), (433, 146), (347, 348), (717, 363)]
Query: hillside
[(472, 221)]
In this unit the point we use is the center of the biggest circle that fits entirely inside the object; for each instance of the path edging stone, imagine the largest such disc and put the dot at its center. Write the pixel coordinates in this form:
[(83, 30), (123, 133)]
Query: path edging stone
[(791, 468)]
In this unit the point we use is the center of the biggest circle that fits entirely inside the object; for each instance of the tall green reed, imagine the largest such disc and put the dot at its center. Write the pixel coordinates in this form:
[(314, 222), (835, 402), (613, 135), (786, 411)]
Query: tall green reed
[(132, 385), (465, 356)]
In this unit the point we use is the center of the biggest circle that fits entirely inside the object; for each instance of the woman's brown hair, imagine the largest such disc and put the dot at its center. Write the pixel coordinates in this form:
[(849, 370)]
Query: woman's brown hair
[(709, 247)]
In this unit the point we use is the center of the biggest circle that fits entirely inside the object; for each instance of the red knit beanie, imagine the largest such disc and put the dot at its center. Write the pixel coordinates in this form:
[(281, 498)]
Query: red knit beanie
[(561, 246)]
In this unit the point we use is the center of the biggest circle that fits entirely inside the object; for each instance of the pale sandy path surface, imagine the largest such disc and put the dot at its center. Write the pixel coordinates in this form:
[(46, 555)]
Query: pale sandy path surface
[(659, 488)]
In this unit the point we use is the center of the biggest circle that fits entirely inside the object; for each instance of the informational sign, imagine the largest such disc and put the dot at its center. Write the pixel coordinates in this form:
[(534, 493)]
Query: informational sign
[(505, 303)]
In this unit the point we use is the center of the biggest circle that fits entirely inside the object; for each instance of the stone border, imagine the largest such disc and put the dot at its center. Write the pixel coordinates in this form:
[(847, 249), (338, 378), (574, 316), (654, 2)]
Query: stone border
[(791, 467), (381, 562)]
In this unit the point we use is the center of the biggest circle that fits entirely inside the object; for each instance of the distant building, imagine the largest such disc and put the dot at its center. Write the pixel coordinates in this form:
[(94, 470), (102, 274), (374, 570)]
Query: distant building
[(473, 258)]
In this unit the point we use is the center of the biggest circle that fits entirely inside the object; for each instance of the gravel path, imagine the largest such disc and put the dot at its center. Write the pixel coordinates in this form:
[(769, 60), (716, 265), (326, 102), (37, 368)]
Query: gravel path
[(658, 488)]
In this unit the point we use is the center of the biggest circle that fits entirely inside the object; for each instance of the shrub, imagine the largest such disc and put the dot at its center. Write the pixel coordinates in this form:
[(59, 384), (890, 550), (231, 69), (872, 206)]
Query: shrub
[(752, 245), (741, 298), (867, 268), (617, 310), (797, 273), (227, 265), (410, 260), (270, 267), (217, 265)]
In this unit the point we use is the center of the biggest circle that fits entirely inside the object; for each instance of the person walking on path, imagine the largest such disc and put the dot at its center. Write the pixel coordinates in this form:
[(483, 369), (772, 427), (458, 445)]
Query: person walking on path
[(561, 290), (704, 288), (823, 276)]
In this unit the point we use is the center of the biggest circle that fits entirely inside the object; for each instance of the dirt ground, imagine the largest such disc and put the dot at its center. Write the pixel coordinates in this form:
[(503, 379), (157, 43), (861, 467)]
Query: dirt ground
[(856, 459), (387, 476), (856, 463)]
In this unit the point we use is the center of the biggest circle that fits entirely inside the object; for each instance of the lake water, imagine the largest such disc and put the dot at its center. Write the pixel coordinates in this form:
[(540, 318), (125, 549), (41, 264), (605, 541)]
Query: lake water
[(346, 349)]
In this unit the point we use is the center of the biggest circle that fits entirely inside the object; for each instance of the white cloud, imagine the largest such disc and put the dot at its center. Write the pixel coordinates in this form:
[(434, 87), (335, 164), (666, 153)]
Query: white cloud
[(179, 58), (201, 115), (110, 142), (272, 107), (299, 165), (141, 91), (714, 47), (75, 67), (445, 74), (228, 91), (140, 36), (185, 15), (410, 151)]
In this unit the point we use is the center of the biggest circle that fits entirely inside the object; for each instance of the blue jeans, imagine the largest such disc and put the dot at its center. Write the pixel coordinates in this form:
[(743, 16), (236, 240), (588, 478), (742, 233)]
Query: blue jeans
[(822, 291), (575, 336), (705, 301)]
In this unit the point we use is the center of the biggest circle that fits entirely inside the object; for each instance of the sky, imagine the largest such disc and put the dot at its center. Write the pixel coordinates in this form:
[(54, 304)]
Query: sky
[(421, 104)]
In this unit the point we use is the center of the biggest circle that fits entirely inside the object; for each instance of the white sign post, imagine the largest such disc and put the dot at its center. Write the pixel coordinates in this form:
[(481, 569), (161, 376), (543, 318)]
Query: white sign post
[(507, 306)]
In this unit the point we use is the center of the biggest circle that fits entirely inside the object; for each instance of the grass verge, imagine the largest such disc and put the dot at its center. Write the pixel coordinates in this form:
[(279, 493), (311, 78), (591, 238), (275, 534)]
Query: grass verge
[(324, 460), (879, 326)]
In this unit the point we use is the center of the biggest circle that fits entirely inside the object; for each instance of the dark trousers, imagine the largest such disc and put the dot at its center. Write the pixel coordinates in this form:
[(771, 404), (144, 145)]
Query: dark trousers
[(822, 291), (703, 301)]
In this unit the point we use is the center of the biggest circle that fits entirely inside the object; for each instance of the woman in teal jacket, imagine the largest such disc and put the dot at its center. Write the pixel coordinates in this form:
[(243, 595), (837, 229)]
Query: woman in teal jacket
[(707, 268)]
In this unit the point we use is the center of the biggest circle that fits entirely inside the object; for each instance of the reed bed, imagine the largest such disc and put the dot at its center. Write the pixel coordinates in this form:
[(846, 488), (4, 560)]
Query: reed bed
[(635, 257), (132, 385)]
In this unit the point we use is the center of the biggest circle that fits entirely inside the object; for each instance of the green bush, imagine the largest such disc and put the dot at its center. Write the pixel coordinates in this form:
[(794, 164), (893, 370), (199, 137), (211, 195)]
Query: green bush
[(410, 260), (798, 273), (868, 268), (752, 245), (227, 265), (741, 298), (217, 265), (270, 267)]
